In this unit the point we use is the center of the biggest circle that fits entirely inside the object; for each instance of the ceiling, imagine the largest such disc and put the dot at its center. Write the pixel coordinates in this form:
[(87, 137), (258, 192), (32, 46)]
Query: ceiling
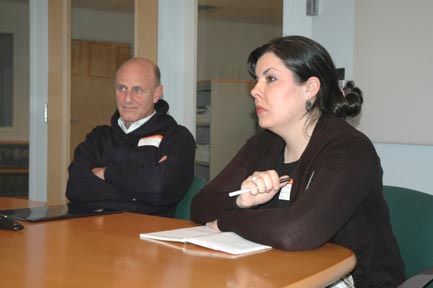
[(265, 12)]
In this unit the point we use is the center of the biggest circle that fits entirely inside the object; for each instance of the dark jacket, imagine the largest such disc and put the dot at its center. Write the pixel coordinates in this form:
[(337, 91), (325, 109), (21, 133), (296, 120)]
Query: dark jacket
[(343, 204), (134, 180)]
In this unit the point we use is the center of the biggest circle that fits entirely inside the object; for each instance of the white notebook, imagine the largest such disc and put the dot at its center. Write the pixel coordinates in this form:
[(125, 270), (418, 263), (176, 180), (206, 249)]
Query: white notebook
[(228, 242)]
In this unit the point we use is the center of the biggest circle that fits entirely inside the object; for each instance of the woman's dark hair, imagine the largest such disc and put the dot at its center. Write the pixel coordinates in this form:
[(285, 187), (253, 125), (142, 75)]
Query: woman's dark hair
[(307, 58)]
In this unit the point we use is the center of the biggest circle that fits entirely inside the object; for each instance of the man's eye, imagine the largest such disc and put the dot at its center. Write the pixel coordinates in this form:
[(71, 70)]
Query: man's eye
[(138, 90), (270, 79), (122, 89)]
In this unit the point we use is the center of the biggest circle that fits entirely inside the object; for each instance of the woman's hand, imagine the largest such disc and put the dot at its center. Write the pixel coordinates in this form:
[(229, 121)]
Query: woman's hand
[(263, 186), (213, 225)]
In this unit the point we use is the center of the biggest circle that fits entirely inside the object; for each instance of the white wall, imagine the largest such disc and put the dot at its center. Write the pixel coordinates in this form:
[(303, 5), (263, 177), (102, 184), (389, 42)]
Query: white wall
[(177, 50), (38, 95), (295, 19), (334, 29), (14, 18), (408, 166)]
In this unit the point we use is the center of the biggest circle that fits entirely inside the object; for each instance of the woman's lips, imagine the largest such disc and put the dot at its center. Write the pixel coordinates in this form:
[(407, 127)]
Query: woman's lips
[(259, 109)]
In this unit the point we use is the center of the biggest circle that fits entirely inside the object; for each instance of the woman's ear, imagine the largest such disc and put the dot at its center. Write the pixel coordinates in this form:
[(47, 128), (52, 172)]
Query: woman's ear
[(312, 87)]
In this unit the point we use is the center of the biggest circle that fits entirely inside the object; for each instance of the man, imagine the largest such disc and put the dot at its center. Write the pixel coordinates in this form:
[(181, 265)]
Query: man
[(144, 161)]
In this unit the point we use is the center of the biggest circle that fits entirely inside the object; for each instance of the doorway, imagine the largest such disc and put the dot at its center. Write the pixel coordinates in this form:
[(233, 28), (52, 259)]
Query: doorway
[(97, 50), (93, 65), (227, 32)]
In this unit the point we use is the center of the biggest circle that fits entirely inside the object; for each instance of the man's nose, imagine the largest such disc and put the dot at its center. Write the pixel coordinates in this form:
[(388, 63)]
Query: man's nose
[(128, 95)]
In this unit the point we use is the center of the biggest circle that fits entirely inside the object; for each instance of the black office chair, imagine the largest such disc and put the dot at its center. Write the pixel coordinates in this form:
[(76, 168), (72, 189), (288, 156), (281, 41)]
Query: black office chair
[(411, 215), (422, 279)]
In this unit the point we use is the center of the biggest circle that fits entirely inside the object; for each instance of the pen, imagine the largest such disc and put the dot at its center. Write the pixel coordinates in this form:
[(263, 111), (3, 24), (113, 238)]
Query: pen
[(242, 191), (309, 181)]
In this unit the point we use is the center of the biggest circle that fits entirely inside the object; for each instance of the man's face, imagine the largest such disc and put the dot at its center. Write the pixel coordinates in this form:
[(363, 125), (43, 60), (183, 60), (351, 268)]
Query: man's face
[(136, 91)]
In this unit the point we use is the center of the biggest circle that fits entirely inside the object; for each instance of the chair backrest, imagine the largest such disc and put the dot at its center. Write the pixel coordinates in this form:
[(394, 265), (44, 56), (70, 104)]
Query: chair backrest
[(411, 215), (184, 206)]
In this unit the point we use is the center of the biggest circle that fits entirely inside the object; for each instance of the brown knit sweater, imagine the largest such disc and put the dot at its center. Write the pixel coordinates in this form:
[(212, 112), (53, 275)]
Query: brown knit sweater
[(343, 204)]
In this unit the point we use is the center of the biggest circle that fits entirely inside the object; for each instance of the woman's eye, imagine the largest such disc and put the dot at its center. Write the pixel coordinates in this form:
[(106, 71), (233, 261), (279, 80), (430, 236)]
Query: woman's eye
[(270, 79)]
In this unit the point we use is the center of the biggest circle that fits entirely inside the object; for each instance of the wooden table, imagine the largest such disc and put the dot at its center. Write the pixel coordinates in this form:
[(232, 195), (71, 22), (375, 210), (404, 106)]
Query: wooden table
[(106, 251)]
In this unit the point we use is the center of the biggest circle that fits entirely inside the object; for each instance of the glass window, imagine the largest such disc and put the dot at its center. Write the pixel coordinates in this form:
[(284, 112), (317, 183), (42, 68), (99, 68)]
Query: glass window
[(6, 79)]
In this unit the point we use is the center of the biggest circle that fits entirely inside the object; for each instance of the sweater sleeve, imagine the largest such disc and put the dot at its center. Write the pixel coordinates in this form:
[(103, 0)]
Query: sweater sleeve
[(83, 185)]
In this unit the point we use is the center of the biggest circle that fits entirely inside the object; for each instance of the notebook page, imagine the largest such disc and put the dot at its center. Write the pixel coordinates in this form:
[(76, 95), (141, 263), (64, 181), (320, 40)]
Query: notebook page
[(228, 242), (179, 235)]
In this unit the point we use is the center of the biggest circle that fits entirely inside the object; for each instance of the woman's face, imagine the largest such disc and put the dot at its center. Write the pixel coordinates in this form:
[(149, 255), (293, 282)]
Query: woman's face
[(279, 100)]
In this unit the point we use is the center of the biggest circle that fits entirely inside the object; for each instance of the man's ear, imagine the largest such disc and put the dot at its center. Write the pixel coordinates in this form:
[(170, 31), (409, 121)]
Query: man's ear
[(158, 93)]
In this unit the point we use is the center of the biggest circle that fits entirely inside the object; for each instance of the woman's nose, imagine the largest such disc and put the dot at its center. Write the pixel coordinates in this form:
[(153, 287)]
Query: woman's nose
[(255, 92)]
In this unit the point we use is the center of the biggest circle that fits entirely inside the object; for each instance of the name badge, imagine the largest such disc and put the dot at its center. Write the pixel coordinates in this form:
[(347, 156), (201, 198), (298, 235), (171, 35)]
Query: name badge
[(285, 191), (153, 140)]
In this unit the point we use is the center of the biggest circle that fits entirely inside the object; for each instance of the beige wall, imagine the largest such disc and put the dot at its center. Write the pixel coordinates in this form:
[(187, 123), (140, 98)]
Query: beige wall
[(223, 47), (14, 18), (393, 63), (102, 26)]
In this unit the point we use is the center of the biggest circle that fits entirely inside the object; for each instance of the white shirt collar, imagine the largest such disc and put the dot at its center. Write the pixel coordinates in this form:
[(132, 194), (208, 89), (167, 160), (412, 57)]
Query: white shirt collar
[(135, 125)]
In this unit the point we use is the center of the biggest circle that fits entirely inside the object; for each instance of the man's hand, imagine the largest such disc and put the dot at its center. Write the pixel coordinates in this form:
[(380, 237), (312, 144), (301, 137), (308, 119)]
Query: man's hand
[(99, 172)]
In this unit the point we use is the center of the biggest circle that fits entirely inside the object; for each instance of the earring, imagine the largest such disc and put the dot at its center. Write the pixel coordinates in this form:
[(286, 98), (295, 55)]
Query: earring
[(308, 105)]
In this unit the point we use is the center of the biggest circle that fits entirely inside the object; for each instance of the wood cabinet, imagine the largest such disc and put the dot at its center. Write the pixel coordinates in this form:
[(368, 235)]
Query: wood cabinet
[(225, 120)]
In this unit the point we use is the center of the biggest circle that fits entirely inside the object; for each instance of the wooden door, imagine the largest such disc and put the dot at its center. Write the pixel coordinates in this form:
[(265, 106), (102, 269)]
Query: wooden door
[(93, 65)]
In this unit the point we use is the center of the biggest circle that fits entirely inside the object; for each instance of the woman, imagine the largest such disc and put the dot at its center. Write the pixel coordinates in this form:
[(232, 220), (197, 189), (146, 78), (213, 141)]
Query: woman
[(335, 191)]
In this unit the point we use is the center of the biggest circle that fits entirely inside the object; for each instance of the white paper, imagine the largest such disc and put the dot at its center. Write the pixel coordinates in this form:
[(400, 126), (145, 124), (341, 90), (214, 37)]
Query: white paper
[(228, 242), (179, 235)]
